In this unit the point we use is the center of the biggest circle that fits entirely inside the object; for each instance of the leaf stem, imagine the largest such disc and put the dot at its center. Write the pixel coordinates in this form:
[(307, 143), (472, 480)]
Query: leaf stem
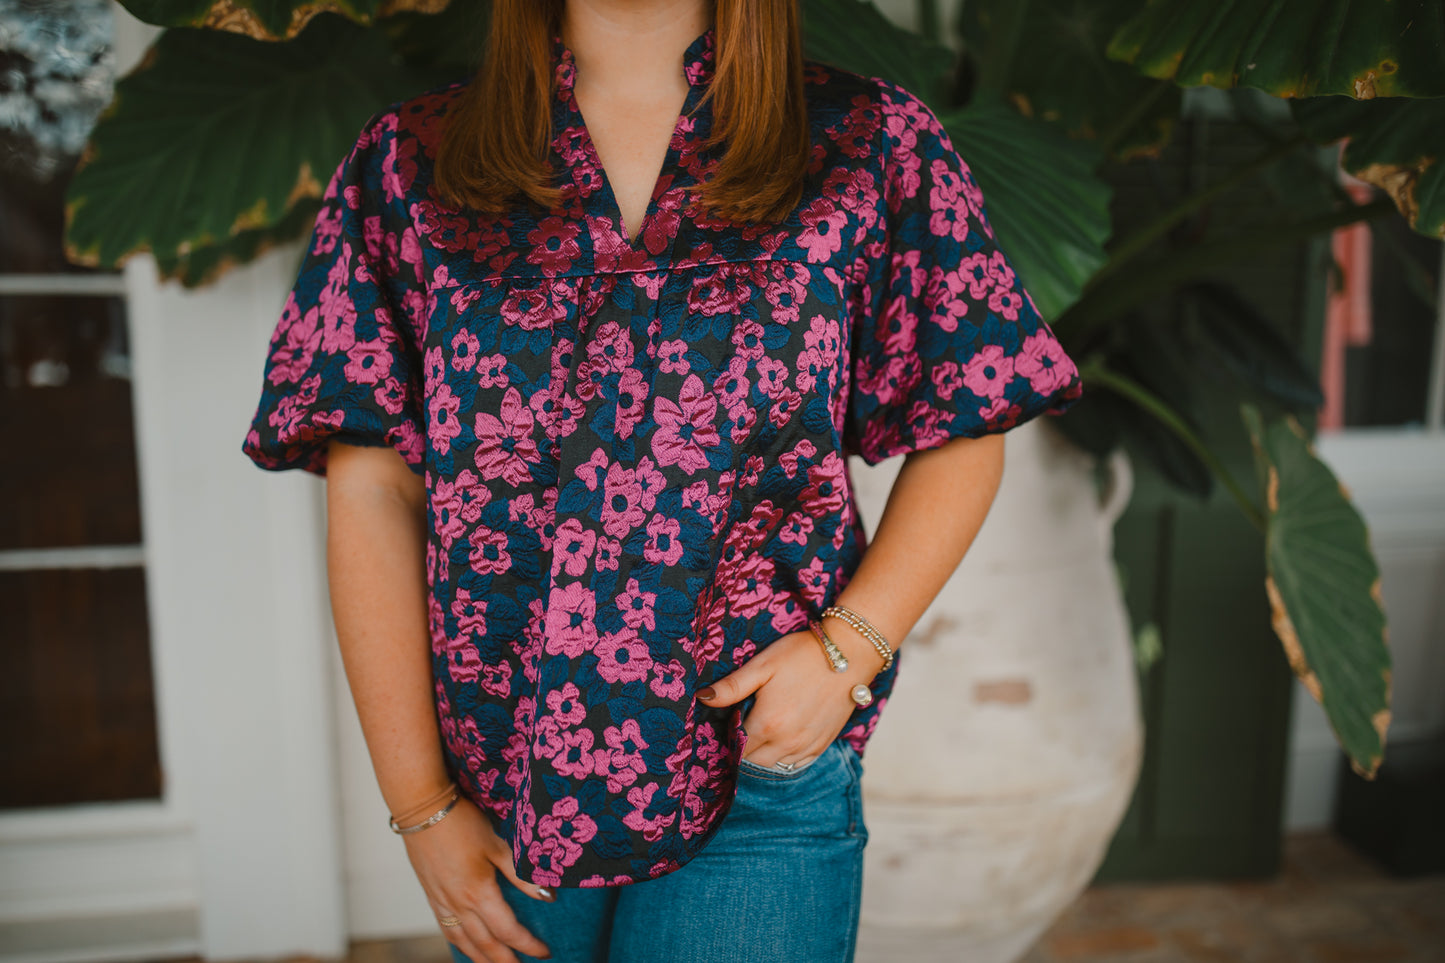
[(1094, 372)]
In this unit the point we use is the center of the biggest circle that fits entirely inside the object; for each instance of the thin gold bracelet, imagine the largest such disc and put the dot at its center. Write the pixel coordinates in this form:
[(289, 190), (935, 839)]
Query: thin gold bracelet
[(436, 797), (865, 629), (427, 823)]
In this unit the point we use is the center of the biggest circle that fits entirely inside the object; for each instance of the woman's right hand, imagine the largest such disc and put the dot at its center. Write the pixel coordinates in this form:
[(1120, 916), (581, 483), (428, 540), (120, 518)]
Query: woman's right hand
[(457, 861)]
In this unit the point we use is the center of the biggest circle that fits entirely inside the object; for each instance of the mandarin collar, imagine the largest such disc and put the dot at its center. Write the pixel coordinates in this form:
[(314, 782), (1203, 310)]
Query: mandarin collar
[(697, 60)]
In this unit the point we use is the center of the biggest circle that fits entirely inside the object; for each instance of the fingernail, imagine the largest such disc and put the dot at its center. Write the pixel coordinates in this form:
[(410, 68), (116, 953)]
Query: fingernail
[(707, 692), (546, 894)]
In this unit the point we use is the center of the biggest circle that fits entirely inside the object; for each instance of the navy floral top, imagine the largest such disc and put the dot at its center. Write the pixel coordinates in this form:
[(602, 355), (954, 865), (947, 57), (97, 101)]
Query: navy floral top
[(635, 453)]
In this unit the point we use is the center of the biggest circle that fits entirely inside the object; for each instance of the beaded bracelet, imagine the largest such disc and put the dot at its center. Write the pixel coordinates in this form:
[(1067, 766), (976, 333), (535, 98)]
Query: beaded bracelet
[(865, 629)]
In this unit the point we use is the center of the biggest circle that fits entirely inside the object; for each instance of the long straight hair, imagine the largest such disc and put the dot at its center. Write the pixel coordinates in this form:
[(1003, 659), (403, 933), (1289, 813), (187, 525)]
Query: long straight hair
[(495, 145)]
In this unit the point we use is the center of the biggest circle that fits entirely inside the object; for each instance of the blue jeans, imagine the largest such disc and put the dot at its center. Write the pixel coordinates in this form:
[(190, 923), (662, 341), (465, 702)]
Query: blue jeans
[(780, 881)]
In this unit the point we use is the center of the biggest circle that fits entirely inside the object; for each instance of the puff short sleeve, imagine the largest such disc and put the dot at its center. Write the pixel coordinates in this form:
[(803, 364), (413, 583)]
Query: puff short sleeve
[(343, 361), (945, 340)]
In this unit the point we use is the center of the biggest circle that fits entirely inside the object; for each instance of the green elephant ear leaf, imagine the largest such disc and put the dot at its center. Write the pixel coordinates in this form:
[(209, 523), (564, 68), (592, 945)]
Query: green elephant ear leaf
[(215, 135), (1324, 588), (1396, 144), (1048, 208), (1291, 48), (267, 19), (854, 35), (1059, 72)]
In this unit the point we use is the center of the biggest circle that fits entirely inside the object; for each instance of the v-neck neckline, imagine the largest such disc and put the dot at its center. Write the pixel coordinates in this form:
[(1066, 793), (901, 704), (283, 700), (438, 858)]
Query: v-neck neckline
[(698, 61)]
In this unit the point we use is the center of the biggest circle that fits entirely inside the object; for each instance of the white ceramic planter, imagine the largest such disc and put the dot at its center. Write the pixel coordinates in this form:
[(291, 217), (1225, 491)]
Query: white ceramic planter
[(1007, 755)]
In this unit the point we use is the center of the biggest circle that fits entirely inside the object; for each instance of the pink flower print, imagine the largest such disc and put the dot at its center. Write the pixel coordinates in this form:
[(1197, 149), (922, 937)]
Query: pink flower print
[(1006, 302), (497, 679), (608, 552), (998, 268), (448, 501), (827, 486), (822, 236), (685, 428), (595, 468), (811, 364), (367, 361), (742, 417), (623, 657), (668, 680), (632, 393), (571, 620), (789, 459), (662, 540), (328, 230), (489, 555), (569, 824), (732, 385), (442, 424), (948, 218), (463, 660), (946, 379), (391, 395), (572, 548), (752, 470), (621, 502), (575, 759), (531, 310), (989, 371), (813, 580), (505, 444), (751, 588), (464, 350), (747, 337), (637, 606), (797, 528), (672, 357), (772, 376), (611, 347), (291, 359), (999, 413), (624, 763), (554, 244), (652, 827), (470, 613), (433, 368), (566, 706), (824, 335), (547, 737), (492, 371), (785, 405), (650, 481), (1041, 359), (975, 270)]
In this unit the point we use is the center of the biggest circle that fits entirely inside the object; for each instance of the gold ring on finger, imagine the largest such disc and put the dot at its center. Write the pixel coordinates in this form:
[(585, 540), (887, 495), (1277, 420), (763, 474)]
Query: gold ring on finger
[(449, 920)]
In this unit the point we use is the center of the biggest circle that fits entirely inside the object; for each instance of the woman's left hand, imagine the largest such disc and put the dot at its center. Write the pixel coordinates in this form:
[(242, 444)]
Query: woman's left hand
[(802, 704)]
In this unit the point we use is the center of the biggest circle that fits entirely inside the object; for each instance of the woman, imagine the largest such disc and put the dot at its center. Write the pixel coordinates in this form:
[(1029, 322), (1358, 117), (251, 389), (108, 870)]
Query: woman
[(585, 438)]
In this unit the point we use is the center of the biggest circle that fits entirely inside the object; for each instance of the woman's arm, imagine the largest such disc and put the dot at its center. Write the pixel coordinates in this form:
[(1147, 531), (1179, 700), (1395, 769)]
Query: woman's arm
[(376, 566), (936, 507)]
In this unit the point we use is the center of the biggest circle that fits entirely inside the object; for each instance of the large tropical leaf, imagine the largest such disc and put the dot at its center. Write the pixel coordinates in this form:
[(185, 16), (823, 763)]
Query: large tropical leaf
[(1058, 70), (1324, 588), (1047, 207), (267, 19), (1396, 144), (854, 35), (217, 134), (1292, 48), (1230, 331)]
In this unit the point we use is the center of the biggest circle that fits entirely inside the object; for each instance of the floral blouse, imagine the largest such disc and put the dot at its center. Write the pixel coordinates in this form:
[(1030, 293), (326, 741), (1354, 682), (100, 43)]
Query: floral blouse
[(635, 453)]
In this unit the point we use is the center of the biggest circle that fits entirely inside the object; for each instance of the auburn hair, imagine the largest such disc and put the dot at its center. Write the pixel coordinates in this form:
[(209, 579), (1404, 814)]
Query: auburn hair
[(496, 141)]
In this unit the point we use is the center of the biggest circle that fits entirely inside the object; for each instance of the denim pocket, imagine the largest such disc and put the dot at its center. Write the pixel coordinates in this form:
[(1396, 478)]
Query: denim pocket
[(754, 770)]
